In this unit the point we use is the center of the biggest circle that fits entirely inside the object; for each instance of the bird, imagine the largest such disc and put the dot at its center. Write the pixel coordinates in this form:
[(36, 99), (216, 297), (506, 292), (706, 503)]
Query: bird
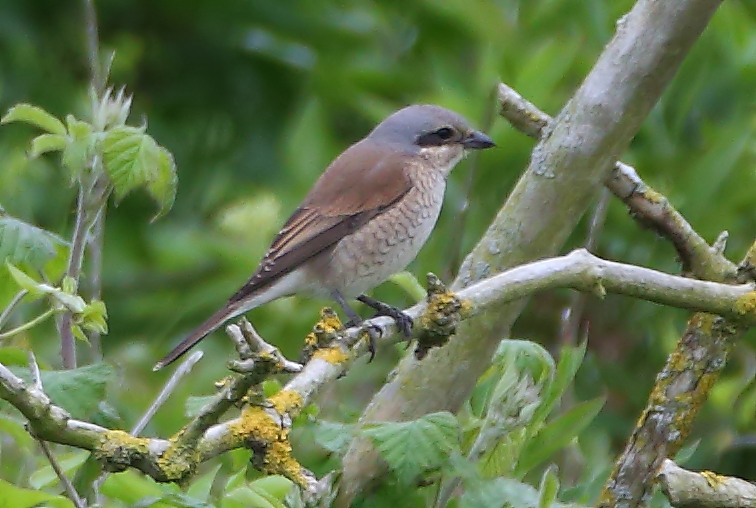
[(364, 219)]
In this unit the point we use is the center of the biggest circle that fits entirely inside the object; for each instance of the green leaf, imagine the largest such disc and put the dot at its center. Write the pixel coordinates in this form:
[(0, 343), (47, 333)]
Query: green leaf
[(409, 284), (130, 158), (21, 242), (79, 391), (79, 148), (13, 356), (35, 116), (47, 143), (17, 433), (333, 436), (46, 476), (131, 488), (569, 362), (194, 405), (133, 159), (93, 317), (163, 187), (412, 448), (556, 434), (25, 282), (15, 497), (549, 488), (497, 493)]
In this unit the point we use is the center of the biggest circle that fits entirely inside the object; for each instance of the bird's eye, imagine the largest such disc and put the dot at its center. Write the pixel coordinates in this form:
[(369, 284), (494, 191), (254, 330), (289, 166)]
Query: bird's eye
[(445, 133)]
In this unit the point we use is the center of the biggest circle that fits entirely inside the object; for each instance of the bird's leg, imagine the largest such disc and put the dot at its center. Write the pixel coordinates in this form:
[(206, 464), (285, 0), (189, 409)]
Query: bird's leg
[(354, 320), (403, 321)]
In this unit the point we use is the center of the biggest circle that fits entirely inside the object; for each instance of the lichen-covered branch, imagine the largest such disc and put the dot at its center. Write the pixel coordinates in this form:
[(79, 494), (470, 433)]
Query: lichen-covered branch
[(566, 171), (688, 489), (264, 424), (678, 394)]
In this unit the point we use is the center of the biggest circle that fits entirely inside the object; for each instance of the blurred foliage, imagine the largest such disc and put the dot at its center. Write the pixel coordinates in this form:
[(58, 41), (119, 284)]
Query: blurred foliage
[(254, 98)]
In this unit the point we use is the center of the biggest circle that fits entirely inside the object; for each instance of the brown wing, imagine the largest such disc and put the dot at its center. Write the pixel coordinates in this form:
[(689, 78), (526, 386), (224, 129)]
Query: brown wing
[(361, 183)]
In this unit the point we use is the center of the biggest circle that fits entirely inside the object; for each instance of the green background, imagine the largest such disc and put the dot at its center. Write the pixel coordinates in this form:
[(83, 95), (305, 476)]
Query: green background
[(255, 98)]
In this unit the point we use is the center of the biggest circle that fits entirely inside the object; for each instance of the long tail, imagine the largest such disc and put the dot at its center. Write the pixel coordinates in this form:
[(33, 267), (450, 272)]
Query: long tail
[(211, 324)]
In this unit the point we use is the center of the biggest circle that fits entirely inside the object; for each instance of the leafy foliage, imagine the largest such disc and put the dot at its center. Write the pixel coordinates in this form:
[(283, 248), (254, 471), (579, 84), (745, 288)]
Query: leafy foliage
[(416, 447), (283, 88)]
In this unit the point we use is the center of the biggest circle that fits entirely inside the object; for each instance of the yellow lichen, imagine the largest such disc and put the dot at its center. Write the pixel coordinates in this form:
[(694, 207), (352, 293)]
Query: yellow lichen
[(654, 197), (114, 441), (286, 401), (746, 304), (278, 460), (254, 422), (713, 479), (333, 355)]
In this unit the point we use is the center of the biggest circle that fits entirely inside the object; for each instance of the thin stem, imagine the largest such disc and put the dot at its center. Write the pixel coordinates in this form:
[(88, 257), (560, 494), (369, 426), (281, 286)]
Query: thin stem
[(67, 485), (95, 273), (75, 259), (12, 305), (30, 324), (573, 314), (93, 47)]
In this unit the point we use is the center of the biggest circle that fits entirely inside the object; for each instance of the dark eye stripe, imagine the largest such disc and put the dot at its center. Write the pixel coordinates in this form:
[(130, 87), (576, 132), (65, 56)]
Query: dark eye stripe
[(436, 138)]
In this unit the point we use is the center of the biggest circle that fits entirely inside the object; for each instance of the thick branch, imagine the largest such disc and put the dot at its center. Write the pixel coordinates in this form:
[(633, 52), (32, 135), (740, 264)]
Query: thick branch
[(687, 489), (265, 427), (566, 170)]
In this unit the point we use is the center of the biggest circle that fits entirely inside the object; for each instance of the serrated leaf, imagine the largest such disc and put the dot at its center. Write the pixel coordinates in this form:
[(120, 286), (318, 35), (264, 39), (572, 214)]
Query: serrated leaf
[(497, 493), (412, 448), (24, 498), (130, 157), (163, 187), (334, 436), (35, 116), (21, 242), (556, 434), (79, 147), (47, 143), (78, 391)]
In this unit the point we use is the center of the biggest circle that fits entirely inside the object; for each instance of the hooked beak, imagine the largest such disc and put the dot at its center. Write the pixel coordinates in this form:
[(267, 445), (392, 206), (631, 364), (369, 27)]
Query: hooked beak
[(476, 140)]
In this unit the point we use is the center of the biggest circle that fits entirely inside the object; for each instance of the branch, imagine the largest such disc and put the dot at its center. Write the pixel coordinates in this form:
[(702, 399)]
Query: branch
[(647, 206), (565, 172), (264, 427), (705, 489)]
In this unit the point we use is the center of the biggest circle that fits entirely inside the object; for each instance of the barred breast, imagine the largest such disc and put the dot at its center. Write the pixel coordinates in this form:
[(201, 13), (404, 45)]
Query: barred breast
[(388, 243)]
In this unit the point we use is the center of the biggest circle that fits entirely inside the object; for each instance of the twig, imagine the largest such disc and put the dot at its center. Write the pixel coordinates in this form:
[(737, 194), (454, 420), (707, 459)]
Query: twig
[(29, 324), (689, 489), (67, 485), (648, 206), (181, 371), (573, 314), (199, 442), (12, 305)]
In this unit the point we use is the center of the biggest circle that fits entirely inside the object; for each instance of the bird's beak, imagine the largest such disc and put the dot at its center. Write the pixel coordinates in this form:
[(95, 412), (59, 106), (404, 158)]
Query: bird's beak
[(476, 140)]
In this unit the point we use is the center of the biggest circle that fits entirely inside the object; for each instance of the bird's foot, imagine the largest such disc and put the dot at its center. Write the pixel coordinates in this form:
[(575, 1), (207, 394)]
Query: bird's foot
[(373, 332), (403, 320)]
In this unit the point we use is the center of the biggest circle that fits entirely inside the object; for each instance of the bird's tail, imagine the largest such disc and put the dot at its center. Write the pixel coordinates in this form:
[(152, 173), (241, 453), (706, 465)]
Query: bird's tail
[(211, 324)]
